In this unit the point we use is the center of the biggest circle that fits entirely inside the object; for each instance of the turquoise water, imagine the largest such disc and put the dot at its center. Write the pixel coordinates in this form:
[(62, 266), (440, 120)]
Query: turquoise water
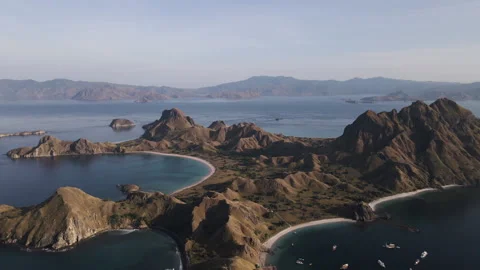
[(448, 221), (25, 182), (30, 181)]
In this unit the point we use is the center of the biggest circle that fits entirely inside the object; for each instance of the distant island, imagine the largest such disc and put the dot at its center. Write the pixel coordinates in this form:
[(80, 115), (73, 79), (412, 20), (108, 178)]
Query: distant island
[(24, 133), (257, 86), (262, 183)]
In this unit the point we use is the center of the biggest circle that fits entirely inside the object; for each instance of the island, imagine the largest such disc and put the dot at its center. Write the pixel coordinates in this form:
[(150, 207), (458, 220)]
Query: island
[(121, 124), (263, 183), (24, 133)]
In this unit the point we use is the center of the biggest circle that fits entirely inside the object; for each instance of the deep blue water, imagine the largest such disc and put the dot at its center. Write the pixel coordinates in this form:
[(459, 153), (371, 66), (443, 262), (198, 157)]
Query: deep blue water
[(24, 182), (448, 221)]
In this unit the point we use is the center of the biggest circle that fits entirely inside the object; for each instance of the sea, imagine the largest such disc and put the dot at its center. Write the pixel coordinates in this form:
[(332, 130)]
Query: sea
[(28, 182)]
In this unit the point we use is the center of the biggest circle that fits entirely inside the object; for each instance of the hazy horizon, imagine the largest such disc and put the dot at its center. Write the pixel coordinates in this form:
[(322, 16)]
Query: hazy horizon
[(190, 44)]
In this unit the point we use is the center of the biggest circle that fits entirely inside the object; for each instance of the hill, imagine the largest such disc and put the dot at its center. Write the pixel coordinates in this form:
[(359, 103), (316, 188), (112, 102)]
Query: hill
[(258, 86), (263, 182)]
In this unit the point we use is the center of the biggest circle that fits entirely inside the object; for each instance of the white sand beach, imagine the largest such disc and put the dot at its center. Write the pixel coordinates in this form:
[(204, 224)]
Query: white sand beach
[(374, 203), (269, 243), (209, 165)]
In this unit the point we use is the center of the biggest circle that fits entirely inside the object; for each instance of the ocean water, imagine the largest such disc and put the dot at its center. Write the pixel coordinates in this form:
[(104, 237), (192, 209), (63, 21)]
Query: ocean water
[(26, 182), (448, 223), (111, 250)]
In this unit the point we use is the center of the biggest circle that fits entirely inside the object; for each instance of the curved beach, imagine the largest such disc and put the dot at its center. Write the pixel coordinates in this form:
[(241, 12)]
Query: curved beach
[(269, 243), (376, 202), (208, 164)]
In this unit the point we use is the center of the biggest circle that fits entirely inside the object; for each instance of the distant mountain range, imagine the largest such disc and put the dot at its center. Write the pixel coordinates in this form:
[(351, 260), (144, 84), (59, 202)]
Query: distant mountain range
[(257, 86)]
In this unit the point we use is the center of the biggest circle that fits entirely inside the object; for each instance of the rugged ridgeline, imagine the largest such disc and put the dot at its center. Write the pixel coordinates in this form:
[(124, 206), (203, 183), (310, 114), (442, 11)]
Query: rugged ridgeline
[(263, 181), (420, 146), (49, 146), (216, 226)]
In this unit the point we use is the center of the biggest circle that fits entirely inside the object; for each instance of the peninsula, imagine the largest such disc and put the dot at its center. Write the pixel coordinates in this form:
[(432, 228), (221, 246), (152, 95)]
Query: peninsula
[(263, 182), (24, 133)]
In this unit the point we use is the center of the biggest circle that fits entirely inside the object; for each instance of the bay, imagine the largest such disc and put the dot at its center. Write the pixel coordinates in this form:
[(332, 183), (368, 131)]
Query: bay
[(25, 182)]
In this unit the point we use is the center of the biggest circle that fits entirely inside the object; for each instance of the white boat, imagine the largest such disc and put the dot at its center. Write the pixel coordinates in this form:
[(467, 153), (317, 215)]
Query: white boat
[(424, 254), (382, 264), (299, 261), (390, 246), (417, 261), (345, 266), (334, 247)]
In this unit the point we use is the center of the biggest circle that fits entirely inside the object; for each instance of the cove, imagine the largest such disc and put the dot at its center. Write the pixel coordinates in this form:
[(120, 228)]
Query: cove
[(26, 182), (448, 220), (30, 181)]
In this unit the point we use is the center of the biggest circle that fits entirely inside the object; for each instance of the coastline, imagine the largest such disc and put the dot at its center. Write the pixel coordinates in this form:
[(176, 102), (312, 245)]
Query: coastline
[(376, 202), (208, 164), (271, 241)]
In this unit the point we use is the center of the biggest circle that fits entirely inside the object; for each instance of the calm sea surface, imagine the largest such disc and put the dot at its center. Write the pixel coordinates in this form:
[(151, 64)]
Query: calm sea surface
[(26, 182)]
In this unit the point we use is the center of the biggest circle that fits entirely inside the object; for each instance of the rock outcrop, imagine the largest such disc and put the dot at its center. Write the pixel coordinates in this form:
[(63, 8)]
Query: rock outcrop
[(180, 130), (121, 124), (362, 212), (49, 146)]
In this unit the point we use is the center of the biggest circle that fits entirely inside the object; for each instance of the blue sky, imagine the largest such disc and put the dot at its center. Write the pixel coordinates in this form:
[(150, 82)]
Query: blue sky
[(199, 43)]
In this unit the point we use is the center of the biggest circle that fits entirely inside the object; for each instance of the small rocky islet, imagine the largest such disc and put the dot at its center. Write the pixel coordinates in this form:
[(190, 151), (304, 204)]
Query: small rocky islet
[(259, 178), (121, 124)]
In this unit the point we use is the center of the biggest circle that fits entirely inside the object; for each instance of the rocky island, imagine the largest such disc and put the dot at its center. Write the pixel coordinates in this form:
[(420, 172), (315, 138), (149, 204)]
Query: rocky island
[(24, 133), (263, 182), (121, 124)]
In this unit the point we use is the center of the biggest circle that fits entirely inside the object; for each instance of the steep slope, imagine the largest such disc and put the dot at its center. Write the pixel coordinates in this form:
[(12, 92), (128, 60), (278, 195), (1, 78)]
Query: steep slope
[(417, 147), (70, 216), (180, 130), (66, 218)]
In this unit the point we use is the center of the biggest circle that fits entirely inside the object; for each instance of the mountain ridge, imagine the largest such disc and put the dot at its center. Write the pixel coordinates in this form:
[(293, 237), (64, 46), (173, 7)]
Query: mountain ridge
[(255, 86)]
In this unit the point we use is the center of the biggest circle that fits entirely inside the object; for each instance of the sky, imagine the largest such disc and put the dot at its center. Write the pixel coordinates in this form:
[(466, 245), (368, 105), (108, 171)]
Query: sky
[(200, 43)]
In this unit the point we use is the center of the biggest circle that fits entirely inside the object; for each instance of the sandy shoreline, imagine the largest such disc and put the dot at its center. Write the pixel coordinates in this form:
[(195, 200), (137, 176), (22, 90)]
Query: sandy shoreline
[(208, 164), (269, 243), (374, 203)]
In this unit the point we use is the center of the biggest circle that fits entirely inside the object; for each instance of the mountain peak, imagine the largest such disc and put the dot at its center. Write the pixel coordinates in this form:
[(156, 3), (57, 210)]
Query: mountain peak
[(172, 113)]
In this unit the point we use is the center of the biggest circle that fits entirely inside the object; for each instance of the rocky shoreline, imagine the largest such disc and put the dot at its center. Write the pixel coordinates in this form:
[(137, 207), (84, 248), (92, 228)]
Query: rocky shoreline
[(262, 181)]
